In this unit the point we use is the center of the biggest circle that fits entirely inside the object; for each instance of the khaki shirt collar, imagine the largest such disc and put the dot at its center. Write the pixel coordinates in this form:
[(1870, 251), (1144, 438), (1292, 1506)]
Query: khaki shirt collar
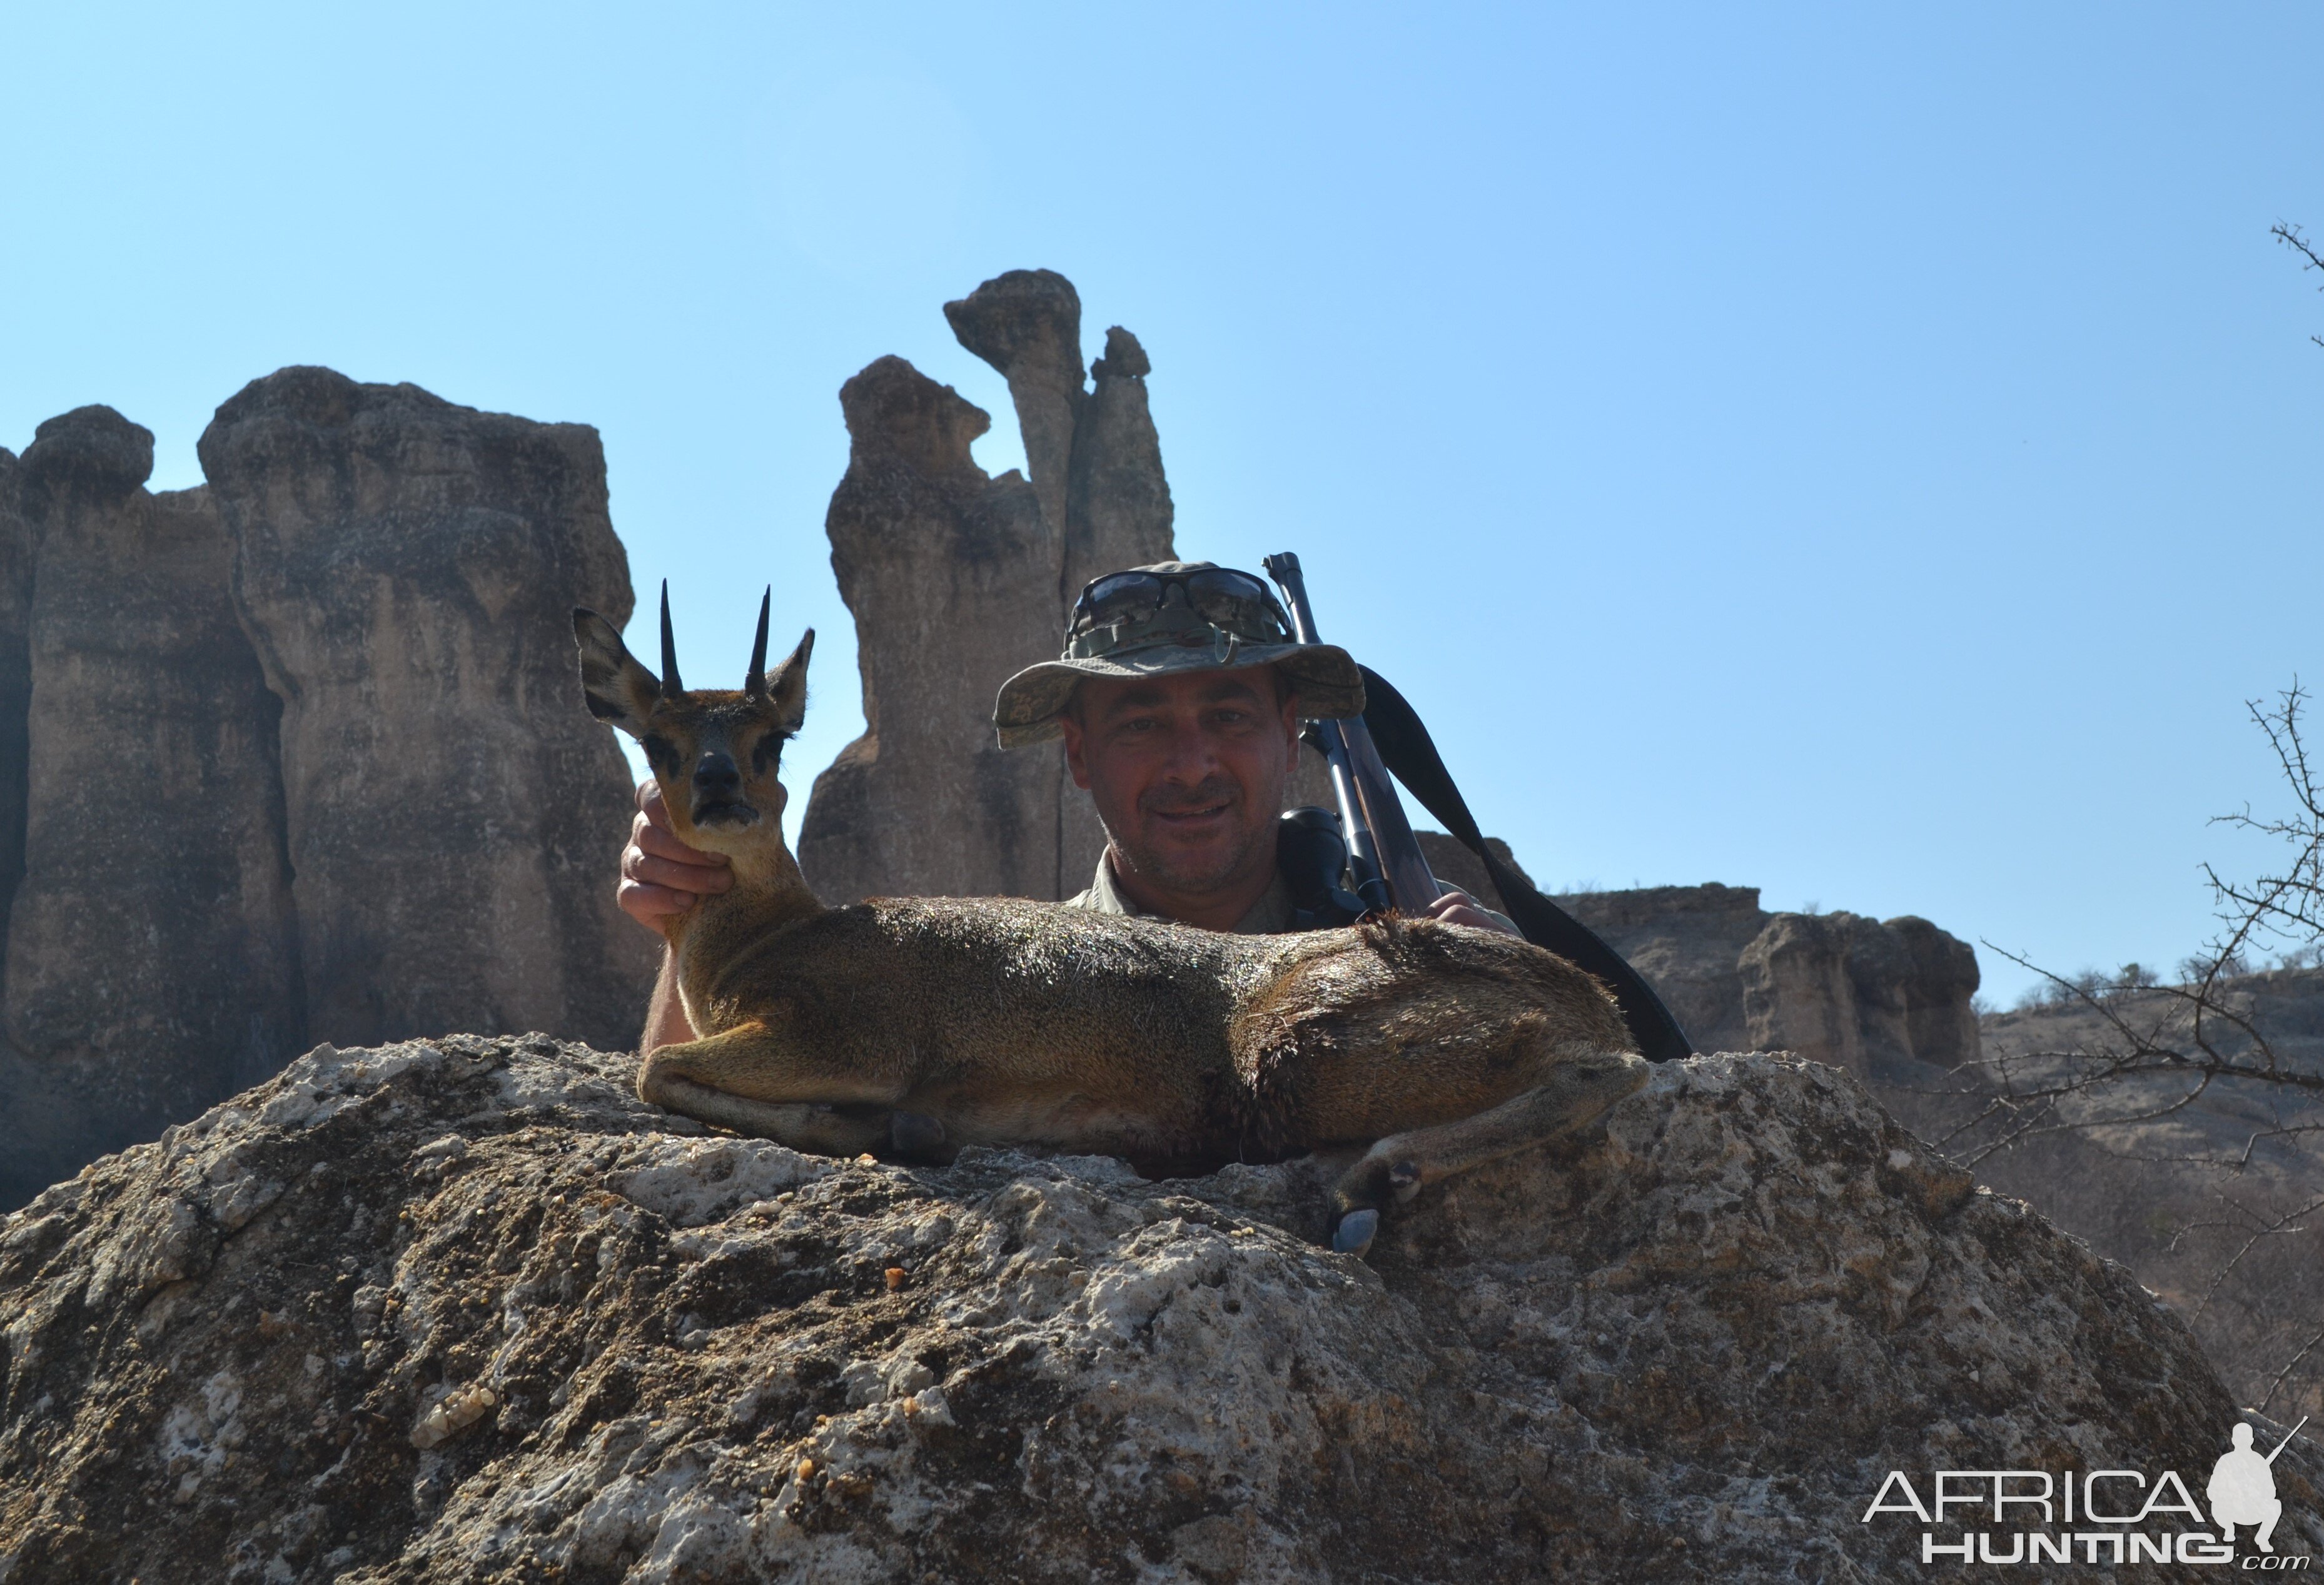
[(1271, 915)]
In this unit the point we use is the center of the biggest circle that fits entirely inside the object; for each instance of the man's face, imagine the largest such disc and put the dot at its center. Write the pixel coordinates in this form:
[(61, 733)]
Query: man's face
[(1187, 771)]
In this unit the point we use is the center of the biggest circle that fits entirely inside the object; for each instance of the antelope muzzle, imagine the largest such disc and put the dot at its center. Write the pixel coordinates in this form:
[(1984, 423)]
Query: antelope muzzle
[(718, 802)]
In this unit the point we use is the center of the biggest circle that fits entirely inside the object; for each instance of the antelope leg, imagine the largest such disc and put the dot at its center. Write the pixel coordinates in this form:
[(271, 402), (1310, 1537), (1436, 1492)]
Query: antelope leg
[(1572, 1094), (816, 1130)]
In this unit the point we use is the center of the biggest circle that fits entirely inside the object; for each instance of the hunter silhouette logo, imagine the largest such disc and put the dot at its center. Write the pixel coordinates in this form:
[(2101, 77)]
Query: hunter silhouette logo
[(2108, 1516), (2242, 1491)]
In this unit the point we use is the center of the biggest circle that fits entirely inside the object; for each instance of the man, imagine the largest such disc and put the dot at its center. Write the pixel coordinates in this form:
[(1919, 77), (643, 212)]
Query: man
[(1179, 696)]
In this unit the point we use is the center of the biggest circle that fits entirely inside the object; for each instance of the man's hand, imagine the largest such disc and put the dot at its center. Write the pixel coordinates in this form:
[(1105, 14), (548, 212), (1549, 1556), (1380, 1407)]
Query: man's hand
[(1458, 907), (660, 875)]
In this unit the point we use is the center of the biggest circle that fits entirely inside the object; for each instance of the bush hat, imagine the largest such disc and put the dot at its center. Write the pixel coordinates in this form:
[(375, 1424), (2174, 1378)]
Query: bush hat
[(1170, 617)]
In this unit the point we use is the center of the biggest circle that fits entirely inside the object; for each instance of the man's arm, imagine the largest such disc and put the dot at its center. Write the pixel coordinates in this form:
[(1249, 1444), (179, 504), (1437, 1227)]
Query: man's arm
[(666, 1020), (662, 878), (1458, 907)]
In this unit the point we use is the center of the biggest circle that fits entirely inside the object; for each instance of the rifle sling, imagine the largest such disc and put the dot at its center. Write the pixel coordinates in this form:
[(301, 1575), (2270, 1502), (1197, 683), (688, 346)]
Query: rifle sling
[(1411, 757)]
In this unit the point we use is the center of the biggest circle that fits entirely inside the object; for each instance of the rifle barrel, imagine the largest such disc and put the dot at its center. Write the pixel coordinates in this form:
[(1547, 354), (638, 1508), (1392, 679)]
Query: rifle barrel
[(1384, 858), (1402, 863)]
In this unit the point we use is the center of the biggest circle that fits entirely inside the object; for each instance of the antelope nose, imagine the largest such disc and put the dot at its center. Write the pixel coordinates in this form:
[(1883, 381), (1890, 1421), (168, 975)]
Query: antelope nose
[(714, 775)]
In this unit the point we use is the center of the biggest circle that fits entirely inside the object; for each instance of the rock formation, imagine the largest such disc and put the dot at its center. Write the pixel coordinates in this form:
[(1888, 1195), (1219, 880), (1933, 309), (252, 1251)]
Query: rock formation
[(15, 674), (951, 576), (1096, 460), (464, 1309), (1833, 988), (407, 568), (956, 579), (1860, 994), (367, 606), (154, 916), (1028, 325)]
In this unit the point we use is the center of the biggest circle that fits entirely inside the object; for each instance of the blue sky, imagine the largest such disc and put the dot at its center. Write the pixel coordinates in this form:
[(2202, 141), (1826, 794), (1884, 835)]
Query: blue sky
[(1868, 453)]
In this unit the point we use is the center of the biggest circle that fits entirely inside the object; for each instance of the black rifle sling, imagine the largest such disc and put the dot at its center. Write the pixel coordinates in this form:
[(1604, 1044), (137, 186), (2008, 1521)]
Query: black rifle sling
[(1411, 757)]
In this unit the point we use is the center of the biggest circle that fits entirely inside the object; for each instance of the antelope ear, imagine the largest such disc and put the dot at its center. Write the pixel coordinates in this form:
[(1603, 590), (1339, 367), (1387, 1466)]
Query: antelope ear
[(615, 688), (787, 686)]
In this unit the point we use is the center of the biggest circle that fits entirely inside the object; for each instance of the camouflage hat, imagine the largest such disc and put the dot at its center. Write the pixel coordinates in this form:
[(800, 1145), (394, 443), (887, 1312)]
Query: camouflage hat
[(1174, 616)]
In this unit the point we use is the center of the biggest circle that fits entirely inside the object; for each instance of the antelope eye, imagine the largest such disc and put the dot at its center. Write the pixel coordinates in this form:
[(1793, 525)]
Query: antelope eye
[(765, 753), (661, 753)]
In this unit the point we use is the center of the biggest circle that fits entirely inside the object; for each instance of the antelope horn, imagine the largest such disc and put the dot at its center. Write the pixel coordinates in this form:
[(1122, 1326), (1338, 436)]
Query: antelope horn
[(756, 683), (670, 687)]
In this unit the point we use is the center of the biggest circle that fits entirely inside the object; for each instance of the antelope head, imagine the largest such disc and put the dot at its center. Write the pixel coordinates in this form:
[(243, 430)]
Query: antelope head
[(714, 751)]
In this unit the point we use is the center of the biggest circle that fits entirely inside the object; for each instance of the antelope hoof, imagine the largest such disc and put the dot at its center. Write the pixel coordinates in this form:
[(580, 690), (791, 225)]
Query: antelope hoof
[(1403, 1177), (1353, 1236), (915, 1134)]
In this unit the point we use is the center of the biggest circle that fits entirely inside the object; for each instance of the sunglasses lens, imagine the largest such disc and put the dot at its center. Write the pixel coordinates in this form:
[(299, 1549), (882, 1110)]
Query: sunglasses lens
[(1235, 600), (1120, 595)]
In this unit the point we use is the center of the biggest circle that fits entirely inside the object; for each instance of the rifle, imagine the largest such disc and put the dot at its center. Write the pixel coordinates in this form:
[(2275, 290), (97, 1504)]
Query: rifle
[(1386, 870)]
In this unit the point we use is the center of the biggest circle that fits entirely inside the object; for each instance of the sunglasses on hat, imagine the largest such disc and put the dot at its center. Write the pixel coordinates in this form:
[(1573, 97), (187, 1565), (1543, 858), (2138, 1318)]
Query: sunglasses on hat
[(1234, 602)]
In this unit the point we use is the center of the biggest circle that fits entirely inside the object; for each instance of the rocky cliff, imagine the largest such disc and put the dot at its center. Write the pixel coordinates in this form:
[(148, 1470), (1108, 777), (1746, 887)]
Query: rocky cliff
[(951, 576), (16, 671), (407, 570), (464, 1309), (151, 959), (957, 579), (294, 755), (1877, 998)]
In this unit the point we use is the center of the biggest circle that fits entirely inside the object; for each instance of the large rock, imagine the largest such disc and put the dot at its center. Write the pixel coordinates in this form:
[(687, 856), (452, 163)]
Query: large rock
[(1117, 500), (952, 577), (1028, 325), (152, 957), (465, 1309), (1860, 994), (1095, 461), (1876, 998), (1117, 514), (16, 671), (956, 579), (1835, 988), (407, 568)]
